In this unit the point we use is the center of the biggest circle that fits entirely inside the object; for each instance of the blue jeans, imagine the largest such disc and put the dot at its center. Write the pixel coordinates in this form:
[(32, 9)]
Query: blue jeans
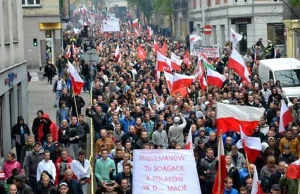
[(97, 135), (87, 83), (57, 96)]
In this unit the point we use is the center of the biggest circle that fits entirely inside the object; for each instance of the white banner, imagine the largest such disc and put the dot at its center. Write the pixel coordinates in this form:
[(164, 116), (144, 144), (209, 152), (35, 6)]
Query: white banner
[(111, 25), (165, 171), (208, 51)]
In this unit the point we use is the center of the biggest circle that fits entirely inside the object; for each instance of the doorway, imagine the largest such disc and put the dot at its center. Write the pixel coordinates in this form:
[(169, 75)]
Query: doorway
[(243, 42)]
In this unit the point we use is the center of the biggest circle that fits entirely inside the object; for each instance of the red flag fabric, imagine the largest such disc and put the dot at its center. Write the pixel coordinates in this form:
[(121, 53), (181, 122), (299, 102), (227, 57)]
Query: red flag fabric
[(135, 23), (256, 188), (286, 116), (68, 53), (117, 52), (186, 59), (155, 46), (237, 63), (175, 61), (199, 75), (182, 81), (189, 141), (163, 63), (215, 78), (293, 171), (174, 92), (141, 53), (222, 171), (163, 49)]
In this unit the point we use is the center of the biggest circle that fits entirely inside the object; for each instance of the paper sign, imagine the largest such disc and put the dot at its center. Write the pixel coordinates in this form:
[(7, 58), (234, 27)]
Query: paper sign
[(165, 171), (111, 25), (208, 51)]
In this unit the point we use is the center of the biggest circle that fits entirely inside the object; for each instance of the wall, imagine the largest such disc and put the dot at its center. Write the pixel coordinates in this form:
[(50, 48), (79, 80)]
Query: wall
[(47, 8)]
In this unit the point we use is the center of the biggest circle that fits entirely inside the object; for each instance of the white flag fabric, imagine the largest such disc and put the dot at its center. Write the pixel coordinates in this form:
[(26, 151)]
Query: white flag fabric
[(235, 37)]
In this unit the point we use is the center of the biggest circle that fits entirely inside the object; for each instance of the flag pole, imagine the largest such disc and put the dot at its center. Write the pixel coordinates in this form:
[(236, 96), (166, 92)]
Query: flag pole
[(219, 166), (75, 104)]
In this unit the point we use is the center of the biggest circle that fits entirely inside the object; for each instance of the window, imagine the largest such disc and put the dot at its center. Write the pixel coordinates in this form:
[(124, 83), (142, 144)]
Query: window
[(15, 21), (6, 23), (271, 75), (30, 2), (194, 4), (288, 78), (275, 33)]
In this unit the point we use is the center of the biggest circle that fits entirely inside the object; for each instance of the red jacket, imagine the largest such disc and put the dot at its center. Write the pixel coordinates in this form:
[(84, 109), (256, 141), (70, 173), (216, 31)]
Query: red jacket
[(44, 127), (58, 167)]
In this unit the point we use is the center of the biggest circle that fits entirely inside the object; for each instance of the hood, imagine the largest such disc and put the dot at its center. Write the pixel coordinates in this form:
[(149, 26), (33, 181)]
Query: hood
[(46, 116), (20, 118), (173, 139), (291, 91), (38, 153)]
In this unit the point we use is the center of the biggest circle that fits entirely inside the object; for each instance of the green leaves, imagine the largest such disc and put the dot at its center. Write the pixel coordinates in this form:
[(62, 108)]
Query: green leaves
[(164, 7)]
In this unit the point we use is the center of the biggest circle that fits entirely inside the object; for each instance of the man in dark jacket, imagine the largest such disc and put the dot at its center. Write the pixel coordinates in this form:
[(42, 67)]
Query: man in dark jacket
[(131, 137), (99, 120), (144, 139), (65, 97), (19, 134), (26, 149), (46, 186), (74, 185), (78, 102), (32, 162), (23, 188), (86, 128), (207, 172), (124, 187), (275, 178), (126, 174)]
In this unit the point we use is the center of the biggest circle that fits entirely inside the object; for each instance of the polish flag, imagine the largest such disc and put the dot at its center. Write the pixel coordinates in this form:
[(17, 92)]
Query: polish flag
[(128, 33), (101, 45), (129, 23), (120, 59), (77, 82), (155, 46), (117, 52), (175, 61), (251, 145), (285, 117), (163, 63), (136, 33), (235, 37), (189, 141), (293, 171), (182, 81), (173, 91), (186, 59), (163, 49), (222, 171), (199, 75), (237, 63), (230, 117), (256, 188), (141, 53), (194, 38), (149, 32), (135, 23), (68, 53), (215, 78)]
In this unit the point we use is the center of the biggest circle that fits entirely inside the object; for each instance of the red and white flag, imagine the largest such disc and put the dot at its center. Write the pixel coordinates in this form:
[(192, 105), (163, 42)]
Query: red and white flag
[(155, 46), (187, 59), (141, 53), (128, 33), (215, 78), (189, 141), (129, 23), (235, 37), (149, 32), (237, 63), (77, 82), (136, 33), (199, 75), (222, 171), (285, 116), (163, 63), (163, 49), (230, 117), (175, 61), (135, 23), (120, 59), (117, 52), (182, 81), (293, 171), (194, 38), (256, 188), (68, 53), (174, 91), (251, 145)]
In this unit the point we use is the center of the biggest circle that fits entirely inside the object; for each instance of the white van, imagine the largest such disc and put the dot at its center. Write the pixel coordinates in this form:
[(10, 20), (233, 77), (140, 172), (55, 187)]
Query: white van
[(286, 70)]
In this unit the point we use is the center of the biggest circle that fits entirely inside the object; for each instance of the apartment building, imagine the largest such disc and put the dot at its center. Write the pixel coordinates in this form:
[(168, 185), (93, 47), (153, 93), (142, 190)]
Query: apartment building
[(253, 19), (42, 29), (13, 72)]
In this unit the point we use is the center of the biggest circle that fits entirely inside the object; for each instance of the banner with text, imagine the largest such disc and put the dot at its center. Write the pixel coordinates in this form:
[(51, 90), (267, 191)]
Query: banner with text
[(111, 25), (165, 171), (208, 51)]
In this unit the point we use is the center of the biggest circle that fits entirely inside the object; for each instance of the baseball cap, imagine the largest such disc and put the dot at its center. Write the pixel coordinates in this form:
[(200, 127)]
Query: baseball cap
[(37, 143), (63, 184), (275, 187)]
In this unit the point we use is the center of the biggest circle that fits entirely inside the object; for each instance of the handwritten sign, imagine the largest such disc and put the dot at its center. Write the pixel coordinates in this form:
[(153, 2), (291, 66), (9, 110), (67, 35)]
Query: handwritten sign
[(208, 51), (165, 171)]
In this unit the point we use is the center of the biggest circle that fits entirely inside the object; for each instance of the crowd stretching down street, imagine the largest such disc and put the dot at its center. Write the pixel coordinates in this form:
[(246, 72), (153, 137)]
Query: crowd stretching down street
[(137, 103)]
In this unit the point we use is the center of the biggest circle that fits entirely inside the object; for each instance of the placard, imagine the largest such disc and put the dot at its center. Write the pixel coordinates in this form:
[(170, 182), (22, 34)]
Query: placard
[(208, 51), (111, 25), (165, 171)]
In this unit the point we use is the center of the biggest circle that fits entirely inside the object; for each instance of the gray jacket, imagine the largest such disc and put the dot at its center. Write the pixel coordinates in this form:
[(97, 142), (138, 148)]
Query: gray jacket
[(58, 115), (32, 161), (160, 138), (177, 132)]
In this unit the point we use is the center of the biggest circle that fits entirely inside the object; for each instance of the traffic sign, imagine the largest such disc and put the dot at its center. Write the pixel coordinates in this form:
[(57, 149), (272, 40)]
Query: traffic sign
[(207, 29)]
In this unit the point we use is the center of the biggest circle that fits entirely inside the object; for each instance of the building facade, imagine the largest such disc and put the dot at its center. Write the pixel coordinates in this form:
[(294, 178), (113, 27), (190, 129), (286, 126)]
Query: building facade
[(42, 30), (13, 72), (253, 19), (181, 20)]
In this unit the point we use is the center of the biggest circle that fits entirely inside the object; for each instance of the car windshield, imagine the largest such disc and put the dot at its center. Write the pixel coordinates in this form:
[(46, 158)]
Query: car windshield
[(288, 78)]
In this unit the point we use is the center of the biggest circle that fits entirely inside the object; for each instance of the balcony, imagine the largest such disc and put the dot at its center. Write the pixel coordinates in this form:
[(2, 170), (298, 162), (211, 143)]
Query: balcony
[(180, 4)]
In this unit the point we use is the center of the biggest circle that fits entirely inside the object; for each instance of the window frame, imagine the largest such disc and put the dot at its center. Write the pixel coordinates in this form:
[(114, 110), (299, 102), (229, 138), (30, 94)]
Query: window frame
[(31, 5)]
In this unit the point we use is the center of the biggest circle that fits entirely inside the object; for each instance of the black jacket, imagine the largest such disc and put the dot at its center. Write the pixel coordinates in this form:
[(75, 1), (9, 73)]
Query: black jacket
[(79, 103), (131, 137), (99, 120), (235, 175), (74, 187), (47, 190), (67, 99), (16, 132)]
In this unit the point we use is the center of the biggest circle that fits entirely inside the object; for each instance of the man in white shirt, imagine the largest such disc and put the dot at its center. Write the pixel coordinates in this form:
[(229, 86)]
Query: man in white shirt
[(59, 85), (46, 165)]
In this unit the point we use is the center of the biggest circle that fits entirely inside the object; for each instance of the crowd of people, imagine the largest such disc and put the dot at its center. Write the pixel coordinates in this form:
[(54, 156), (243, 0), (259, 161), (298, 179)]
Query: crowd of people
[(132, 108)]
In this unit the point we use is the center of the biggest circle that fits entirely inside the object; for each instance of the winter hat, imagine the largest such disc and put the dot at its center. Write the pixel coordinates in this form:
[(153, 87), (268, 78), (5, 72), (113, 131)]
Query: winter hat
[(173, 139), (199, 114), (176, 119)]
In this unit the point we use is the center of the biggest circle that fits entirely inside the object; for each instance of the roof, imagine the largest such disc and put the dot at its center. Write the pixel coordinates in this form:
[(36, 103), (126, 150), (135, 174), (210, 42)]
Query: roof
[(281, 63)]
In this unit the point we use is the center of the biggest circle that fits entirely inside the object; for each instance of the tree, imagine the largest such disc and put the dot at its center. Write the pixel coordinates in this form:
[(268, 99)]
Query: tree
[(144, 5), (166, 8)]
